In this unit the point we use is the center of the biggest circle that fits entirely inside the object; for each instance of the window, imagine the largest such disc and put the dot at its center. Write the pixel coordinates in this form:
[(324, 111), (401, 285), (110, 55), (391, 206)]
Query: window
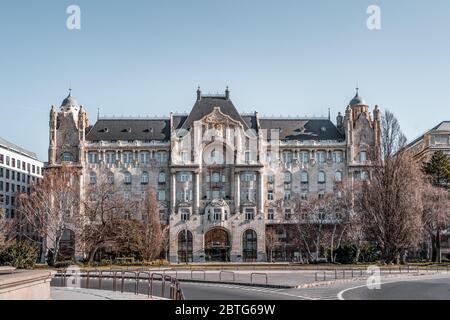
[(287, 156), (144, 157), (145, 178), (338, 176), (127, 195), (2, 159), (363, 156), (110, 157), (337, 156), (304, 156), (270, 178), (304, 177), (127, 157), (250, 246), (321, 177), (185, 214), (217, 214), (184, 176), (66, 157), (110, 177), (321, 156), (185, 246), (162, 177), (248, 176), (304, 195), (270, 214), (364, 176), (287, 194), (249, 214), (92, 178), (287, 177), (321, 194), (287, 214), (270, 195), (184, 155), (93, 157), (161, 157), (216, 177), (161, 195), (127, 178), (248, 156)]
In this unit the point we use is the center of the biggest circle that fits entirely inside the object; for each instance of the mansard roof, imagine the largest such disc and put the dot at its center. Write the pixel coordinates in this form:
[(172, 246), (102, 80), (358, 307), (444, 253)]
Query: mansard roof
[(130, 129), (301, 129), (206, 104)]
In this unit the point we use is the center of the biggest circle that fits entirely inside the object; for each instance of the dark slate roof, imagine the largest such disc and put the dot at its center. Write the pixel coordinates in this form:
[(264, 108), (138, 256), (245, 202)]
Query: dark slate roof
[(206, 105), (250, 120), (130, 129), (301, 129)]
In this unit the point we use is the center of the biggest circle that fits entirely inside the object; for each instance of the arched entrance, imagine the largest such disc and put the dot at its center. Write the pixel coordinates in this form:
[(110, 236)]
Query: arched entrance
[(185, 246), (250, 246), (217, 245)]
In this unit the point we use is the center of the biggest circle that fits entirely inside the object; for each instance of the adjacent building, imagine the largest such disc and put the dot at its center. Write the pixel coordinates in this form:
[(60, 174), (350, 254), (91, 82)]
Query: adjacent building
[(435, 139), (222, 178), (18, 169)]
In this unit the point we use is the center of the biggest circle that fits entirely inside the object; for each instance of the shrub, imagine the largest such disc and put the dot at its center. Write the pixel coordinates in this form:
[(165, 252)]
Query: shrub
[(21, 255)]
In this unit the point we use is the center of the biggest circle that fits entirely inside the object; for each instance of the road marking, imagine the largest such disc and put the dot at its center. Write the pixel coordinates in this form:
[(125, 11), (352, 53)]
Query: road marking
[(262, 290), (424, 278)]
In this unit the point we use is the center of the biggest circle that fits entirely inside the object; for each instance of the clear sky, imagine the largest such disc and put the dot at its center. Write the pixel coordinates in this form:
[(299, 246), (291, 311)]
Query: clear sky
[(288, 57)]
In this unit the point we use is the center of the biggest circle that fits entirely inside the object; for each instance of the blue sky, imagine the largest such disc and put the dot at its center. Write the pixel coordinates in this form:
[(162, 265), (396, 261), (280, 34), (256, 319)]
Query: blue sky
[(287, 57)]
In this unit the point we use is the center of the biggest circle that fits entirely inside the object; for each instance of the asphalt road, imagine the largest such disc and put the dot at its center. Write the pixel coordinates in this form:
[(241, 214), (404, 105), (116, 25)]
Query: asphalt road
[(429, 289)]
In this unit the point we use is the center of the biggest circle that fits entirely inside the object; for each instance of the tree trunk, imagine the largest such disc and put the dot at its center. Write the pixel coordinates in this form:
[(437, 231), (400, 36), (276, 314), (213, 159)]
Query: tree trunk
[(438, 246), (433, 247)]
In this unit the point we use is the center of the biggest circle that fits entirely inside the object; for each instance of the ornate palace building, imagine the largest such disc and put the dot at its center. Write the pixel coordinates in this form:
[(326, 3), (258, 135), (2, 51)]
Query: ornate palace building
[(222, 178)]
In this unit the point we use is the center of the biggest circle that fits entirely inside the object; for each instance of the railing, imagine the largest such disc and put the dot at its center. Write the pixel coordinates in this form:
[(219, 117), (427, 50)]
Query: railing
[(102, 276), (258, 274), (227, 272)]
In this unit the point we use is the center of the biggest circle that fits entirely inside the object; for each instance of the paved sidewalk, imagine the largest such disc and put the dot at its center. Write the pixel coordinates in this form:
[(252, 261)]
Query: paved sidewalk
[(85, 294)]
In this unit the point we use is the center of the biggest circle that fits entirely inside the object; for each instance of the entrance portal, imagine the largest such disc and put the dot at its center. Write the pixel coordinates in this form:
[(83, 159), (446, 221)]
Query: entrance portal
[(217, 245)]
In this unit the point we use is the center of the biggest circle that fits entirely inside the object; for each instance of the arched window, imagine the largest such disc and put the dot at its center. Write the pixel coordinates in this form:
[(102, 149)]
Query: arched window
[(110, 177), (304, 177), (287, 177), (127, 178), (162, 177), (321, 177), (185, 246), (92, 178), (67, 157), (338, 176), (250, 246), (145, 178)]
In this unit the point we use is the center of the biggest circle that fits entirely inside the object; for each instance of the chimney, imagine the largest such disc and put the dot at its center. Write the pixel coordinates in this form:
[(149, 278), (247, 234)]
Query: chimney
[(227, 94), (199, 94)]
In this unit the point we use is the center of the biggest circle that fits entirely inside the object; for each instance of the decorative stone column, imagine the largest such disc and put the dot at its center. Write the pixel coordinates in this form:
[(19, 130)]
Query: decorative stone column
[(173, 192), (260, 195), (237, 192), (196, 192)]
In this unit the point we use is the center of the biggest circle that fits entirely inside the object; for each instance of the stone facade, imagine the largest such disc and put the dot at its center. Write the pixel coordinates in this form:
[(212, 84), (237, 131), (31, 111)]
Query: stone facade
[(221, 177)]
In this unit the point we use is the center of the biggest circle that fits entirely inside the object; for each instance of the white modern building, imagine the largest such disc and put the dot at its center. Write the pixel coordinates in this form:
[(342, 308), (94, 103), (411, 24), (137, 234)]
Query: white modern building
[(18, 169)]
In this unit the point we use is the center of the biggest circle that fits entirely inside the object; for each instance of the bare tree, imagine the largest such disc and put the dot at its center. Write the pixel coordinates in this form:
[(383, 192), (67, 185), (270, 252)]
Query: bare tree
[(436, 216), (7, 233), (271, 241), (152, 233), (390, 203), (105, 209), (52, 207)]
